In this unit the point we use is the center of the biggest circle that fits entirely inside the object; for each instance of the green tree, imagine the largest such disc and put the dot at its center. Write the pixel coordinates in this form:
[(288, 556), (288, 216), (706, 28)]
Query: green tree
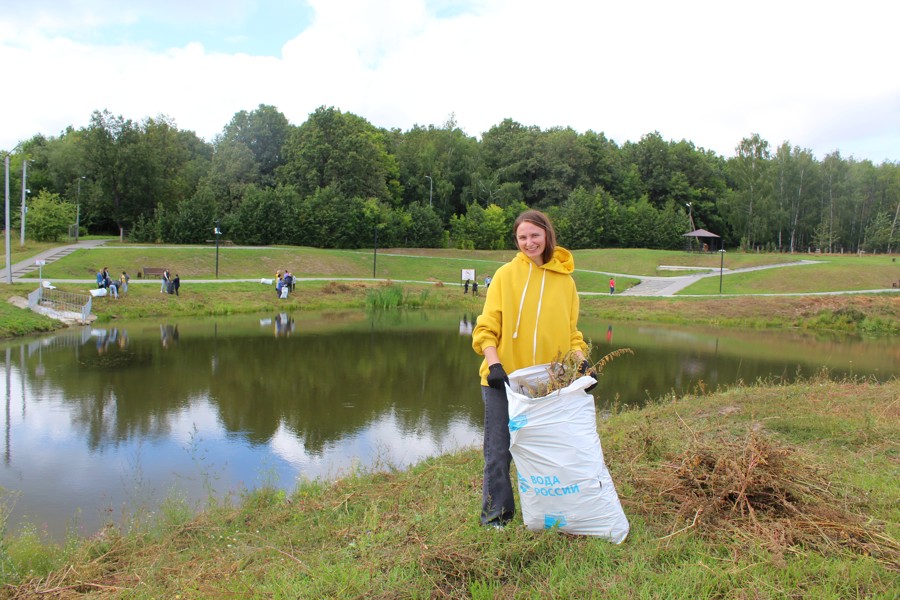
[(749, 202), (192, 221), (606, 167), (49, 217), (879, 236), (263, 133), (447, 155), (233, 169), (343, 152), (425, 229), (264, 217), (134, 169), (328, 220), (795, 189), (579, 221)]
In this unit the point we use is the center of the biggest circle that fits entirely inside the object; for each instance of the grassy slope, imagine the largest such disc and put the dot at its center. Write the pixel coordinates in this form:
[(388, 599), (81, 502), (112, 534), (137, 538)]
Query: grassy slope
[(863, 313), (834, 273), (414, 534)]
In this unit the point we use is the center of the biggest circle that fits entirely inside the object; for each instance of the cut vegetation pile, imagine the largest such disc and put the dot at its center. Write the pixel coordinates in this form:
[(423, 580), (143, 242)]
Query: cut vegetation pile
[(757, 488)]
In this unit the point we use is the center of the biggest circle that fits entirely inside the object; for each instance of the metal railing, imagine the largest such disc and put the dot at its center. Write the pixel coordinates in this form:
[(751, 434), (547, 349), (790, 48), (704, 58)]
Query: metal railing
[(61, 301)]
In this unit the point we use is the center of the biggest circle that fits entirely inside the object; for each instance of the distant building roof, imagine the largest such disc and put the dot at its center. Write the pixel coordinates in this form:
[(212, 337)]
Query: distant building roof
[(700, 233)]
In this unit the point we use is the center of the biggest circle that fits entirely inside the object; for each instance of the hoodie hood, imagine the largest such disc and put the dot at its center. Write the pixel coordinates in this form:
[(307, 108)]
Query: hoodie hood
[(530, 314), (561, 262)]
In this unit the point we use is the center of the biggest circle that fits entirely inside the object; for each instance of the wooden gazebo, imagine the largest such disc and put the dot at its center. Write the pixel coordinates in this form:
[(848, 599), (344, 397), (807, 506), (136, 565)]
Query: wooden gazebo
[(702, 236)]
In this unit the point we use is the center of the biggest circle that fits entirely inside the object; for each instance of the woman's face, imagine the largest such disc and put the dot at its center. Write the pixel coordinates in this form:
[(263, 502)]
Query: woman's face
[(532, 240)]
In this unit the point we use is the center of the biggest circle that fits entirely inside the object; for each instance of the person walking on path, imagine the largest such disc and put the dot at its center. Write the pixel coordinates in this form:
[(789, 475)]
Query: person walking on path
[(176, 283), (612, 286), (530, 317), (123, 280), (165, 282), (474, 287), (466, 287)]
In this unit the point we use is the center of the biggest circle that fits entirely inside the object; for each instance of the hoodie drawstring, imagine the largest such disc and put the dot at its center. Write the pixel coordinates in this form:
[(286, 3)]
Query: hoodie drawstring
[(538, 317), (522, 301)]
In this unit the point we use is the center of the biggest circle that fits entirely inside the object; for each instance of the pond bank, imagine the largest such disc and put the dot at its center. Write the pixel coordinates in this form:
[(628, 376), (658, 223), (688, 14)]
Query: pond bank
[(868, 314), (414, 533)]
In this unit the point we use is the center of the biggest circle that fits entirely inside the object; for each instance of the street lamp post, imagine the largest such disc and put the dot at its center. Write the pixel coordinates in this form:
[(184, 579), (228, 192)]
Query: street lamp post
[(24, 191), (78, 209), (6, 196), (721, 268), (6, 209), (430, 190), (375, 253), (218, 233)]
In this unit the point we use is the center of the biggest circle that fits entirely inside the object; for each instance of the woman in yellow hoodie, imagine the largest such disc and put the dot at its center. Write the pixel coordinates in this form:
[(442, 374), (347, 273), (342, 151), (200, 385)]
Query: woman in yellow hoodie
[(530, 317)]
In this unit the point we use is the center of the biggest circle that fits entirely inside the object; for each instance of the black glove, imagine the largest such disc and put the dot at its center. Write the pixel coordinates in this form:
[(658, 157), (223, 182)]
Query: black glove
[(497, 376), (585, 369)]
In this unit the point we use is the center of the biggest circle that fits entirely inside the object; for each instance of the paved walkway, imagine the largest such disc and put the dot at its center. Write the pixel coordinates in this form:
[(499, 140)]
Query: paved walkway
[(649, 285), (669, 286), (28, 266)]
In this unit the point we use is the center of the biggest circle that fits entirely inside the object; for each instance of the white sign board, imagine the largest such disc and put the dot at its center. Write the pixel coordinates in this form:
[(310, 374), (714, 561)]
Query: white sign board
[(40, 263), (468, 274)]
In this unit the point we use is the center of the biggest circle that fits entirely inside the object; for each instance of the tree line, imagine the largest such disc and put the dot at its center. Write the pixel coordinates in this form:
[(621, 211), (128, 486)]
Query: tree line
[(337, 181)]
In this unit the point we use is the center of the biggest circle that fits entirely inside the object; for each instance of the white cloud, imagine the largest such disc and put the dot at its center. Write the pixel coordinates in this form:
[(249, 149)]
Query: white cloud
[(805, 72)]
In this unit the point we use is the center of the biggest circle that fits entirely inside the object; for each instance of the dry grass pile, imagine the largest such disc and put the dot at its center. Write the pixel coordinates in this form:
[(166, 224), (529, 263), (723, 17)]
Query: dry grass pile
[(337, 287), (758, 490), (563, 371)]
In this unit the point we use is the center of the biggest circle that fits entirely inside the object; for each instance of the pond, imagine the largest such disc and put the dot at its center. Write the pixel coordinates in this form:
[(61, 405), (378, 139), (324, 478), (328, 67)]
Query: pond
[(106, 421)]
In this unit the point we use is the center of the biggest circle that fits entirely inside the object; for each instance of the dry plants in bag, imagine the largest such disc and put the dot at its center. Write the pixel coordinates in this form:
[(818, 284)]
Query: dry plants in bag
[(566, 368)]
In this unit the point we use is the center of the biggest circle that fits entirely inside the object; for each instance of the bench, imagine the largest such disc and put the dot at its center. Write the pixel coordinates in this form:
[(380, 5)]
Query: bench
[(154, 272)]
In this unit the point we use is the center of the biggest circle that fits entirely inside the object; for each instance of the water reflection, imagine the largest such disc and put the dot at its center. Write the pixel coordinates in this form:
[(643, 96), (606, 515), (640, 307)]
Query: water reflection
[(107, 414), (282, 324), (467, 324), (168, 335)]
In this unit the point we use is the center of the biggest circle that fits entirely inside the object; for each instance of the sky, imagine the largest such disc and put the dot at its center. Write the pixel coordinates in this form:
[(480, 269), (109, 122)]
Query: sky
[(821, 75)]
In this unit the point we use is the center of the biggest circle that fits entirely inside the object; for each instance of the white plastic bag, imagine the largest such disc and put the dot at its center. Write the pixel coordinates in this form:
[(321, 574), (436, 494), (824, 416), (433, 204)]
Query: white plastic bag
[(563, 480)]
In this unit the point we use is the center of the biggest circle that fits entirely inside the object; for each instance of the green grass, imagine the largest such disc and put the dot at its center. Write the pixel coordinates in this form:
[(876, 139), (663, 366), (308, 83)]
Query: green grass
[(19, 253), (342, 283), (414, 533), (15, 321), (640, 261), (834, 273)]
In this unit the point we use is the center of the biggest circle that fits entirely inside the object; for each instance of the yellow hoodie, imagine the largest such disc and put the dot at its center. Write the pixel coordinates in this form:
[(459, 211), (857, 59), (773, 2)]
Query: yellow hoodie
[(530, 314)]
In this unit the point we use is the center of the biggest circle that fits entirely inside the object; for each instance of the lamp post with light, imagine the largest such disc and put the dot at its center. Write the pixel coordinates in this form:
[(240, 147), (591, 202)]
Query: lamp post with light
[(24, 209), (218, 232), (6, 213), (6, 196), (721, 268), (78, 209)]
